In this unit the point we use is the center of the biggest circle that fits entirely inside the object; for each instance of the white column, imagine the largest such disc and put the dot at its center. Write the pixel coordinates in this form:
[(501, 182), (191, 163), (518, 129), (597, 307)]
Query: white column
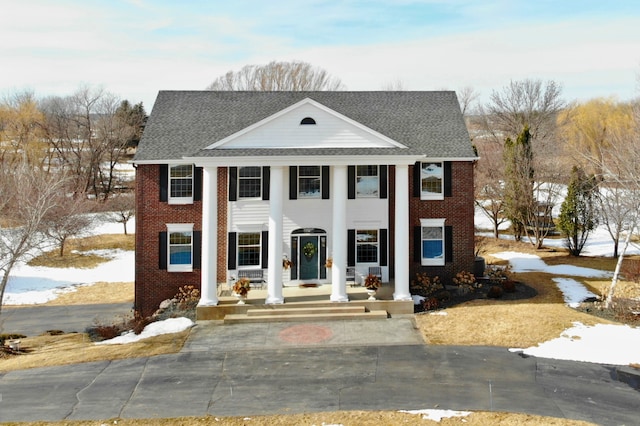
[(274, 273), (209, 269), (401, 260), (339, 236)]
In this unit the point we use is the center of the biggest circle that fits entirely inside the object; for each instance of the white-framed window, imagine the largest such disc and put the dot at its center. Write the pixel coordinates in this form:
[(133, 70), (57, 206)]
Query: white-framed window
[(432, 181), (181, 184), (432, 239), (309, 182), (367, 246), (249, 182), (180, 250), (367, 182), (249, 245)]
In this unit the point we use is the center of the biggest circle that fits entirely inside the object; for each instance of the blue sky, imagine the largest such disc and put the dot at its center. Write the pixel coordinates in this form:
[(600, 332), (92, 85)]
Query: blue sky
[(133, 48)]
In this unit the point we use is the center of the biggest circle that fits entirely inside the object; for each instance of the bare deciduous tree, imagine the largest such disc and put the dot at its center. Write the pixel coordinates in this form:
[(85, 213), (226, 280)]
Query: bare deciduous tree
[(467, 97), (89, 137), (28, 196), (68, 219), (121, 209), (524, 104), (277, 76)]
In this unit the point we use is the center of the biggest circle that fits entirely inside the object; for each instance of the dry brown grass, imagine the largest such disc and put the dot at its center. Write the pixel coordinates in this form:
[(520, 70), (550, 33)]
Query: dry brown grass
[(518, 323), (346, 418), (101, 292), (74, 256), (77, 347)]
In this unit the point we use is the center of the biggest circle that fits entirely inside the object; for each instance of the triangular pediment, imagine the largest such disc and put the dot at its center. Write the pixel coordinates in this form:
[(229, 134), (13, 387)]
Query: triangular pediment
[(286, 129)]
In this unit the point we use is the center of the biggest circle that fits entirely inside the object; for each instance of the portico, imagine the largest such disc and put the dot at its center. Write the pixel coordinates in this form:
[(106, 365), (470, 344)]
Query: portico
[(276, 238)]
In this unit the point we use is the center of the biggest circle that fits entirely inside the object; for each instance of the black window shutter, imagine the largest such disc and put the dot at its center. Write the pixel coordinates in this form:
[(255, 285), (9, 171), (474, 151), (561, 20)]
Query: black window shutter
[(293, 182), (233, 184), (383, 247), (265, 249), (197, 184), (448, 244), (382, 181), (294, 258), (417, 244), (323, 257), (417, 184), (351, 182), (266, 181), (351, 247), (325, 182), (162, 252), (448, 187), (197, 249), (164, 182), (231, 255)]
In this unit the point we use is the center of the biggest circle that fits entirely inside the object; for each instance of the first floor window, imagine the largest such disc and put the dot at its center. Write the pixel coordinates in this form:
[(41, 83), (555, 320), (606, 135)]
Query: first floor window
[(432, 241), (249, 248), (309, 179), (367, 246), (181, 184), (367, 181), (431, 181), (180, 253), (250, 182)]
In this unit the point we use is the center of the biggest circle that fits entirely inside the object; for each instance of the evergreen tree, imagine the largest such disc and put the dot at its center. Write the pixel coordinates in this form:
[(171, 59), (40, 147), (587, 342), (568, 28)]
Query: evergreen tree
[(518, 191), (578, 210)]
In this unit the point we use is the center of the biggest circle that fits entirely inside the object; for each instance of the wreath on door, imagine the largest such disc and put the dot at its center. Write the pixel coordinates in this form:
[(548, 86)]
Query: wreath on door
[(309, 250)]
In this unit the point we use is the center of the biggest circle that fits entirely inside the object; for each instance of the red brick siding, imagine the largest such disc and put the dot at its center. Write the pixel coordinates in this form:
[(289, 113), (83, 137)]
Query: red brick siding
[(458, 210), (222, 223), (152, 284)]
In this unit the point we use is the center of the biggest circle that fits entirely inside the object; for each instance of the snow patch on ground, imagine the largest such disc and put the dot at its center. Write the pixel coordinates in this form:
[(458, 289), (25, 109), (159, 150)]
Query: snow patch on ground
[(601, 343), (171, 325), (437, 415)]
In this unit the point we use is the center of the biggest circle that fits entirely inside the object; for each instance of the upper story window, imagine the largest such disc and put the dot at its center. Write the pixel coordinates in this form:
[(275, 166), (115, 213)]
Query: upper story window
[(181, 184), (367, 182), (367, 246), (249, 182), (249, 245), (432, 242), (180, 250), (432, 181), (309, 182)]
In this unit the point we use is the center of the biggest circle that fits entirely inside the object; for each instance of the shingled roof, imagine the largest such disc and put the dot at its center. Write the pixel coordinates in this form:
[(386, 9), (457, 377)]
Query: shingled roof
[(183, 123)]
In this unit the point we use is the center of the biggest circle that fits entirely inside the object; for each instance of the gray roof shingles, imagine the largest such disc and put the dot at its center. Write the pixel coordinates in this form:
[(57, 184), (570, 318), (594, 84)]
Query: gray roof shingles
[(183, 123)]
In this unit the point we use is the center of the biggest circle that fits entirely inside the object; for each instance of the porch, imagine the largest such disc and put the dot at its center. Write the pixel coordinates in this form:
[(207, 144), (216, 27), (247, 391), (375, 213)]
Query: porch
[(312, 300)]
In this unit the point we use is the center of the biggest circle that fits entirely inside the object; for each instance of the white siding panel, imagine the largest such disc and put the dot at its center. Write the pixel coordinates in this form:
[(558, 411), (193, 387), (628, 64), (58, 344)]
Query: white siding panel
[(329, 131), (248, 215)]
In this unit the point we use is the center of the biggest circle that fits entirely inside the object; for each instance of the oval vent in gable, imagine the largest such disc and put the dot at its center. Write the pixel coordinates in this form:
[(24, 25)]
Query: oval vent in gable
[(308, 120)]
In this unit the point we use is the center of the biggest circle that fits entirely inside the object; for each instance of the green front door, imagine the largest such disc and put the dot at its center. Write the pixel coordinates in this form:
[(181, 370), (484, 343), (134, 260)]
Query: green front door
[(308, 257)]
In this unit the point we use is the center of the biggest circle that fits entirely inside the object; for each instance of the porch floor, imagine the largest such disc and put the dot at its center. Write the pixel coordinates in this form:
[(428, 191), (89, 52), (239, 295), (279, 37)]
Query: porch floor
[(310, 297)]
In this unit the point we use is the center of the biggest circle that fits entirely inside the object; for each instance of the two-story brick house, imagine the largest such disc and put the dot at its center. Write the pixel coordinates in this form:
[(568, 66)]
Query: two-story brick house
[(230, 181)]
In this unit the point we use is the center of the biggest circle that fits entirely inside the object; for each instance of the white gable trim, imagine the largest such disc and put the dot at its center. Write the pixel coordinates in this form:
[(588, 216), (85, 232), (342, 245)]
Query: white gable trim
[(307, 101)]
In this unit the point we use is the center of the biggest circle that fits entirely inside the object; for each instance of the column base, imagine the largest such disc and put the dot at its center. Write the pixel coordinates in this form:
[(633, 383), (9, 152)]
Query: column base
[(399, 296), (274, 301), (338, 298), (208, 302)]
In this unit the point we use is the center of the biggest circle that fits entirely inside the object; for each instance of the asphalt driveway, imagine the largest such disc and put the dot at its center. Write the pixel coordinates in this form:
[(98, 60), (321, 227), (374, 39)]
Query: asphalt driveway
[(281, 368)]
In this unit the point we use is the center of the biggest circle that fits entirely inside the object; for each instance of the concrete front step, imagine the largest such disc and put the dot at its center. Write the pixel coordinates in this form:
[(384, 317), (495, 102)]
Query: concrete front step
[(303, 317), (306, 310)]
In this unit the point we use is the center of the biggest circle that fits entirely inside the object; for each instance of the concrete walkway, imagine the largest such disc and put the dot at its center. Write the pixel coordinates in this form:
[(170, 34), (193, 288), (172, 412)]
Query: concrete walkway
[(281, 368)]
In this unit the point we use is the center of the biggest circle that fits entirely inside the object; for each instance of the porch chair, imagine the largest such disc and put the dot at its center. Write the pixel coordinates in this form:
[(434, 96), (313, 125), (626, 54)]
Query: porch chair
[(376, 271), (351, 276)]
